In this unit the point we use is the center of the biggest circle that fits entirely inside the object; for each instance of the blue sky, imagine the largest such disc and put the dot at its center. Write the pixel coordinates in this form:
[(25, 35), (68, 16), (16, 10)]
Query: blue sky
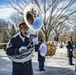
[(4, 1)]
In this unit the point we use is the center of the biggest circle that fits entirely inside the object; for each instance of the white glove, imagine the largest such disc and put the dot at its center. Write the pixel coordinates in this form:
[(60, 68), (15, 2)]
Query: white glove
[(70, 49), (35, 41), (22, 48)]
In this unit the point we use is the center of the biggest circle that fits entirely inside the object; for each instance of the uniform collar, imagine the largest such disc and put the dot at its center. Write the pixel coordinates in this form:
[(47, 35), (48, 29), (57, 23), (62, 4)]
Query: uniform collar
[(22, 37)]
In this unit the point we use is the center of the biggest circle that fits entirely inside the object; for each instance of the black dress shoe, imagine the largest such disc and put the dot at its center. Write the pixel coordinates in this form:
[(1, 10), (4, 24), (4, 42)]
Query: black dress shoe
[(40, 70), (43, 69), (71, 64)]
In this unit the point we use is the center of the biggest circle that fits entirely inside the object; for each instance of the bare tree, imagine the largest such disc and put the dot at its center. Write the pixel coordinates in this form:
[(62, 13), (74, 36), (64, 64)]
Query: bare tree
[(3, 28), (55, 12), (6, 30), (12, 30), (16, 18), (72, 21)]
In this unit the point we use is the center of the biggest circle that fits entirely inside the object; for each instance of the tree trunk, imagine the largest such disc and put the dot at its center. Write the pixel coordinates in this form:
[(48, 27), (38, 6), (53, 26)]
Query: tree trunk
[(46, 38)]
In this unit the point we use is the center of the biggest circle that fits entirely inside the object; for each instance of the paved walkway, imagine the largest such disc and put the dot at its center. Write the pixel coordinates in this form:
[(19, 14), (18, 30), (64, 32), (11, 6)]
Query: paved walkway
[(56, 65)]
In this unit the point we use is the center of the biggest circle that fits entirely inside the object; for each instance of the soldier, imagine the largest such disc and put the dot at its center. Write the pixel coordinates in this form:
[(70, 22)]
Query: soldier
[(15, 46), (56, 39), (70, 49), (41, 57)]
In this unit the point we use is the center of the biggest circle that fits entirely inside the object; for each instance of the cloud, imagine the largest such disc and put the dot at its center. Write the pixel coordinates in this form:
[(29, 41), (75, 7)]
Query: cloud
[(6, 12)]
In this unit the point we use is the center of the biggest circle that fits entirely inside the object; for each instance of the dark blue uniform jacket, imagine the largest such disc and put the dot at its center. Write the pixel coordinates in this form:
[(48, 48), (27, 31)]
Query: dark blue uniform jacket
[(70, 46), (23, 68)]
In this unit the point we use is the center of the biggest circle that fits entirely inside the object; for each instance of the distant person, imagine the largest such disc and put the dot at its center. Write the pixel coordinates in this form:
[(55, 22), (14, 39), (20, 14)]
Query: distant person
[(41, 54), (70, 49), (56, 39)]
